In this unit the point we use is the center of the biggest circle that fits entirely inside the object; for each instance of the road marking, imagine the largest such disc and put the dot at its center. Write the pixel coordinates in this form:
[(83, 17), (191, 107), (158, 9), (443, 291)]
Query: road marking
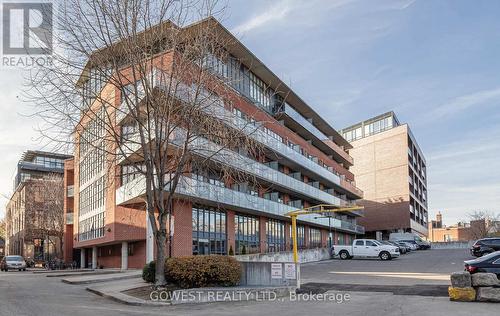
[(404, 275)]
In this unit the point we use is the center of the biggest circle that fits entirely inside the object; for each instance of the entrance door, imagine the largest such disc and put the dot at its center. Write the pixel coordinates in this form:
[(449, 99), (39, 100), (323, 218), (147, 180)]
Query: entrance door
[(203, 247)]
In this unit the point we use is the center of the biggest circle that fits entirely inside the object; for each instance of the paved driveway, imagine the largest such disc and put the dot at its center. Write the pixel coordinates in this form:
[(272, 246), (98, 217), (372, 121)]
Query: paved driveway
[(25, 293), (420, 267)]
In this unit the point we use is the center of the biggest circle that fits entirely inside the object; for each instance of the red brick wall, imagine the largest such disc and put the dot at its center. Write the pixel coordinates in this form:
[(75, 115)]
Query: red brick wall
[(183, 228)]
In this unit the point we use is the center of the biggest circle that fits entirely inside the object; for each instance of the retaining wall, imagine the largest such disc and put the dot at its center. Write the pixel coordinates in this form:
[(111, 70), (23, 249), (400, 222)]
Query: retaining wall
[(306, 255)]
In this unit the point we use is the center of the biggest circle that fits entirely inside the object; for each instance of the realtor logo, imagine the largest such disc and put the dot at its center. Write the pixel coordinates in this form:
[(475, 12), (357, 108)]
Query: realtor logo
[(27, 28)]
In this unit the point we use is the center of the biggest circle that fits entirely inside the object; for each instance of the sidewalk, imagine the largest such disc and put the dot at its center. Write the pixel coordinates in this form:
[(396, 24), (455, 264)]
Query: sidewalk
[(113, 290), (103, 277)]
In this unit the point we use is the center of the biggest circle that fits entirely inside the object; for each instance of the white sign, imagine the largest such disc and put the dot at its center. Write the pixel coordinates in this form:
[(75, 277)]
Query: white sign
[(276, 270), (290, 271)]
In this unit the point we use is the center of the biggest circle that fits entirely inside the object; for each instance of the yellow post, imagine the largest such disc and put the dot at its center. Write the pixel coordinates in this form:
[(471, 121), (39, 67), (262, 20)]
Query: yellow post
[(294, 238)]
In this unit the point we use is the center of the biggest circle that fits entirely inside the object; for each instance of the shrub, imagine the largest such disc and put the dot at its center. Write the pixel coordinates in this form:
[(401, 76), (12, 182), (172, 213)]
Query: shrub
[(244, 250), (149, 272), (231, 252), (203, 271)]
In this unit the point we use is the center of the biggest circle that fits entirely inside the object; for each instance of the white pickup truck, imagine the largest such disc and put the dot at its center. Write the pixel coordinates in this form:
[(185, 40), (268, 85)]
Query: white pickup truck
[(366, 248)]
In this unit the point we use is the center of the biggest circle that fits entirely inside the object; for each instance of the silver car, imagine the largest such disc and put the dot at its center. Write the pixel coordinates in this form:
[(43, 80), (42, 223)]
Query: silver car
[(13, 263)]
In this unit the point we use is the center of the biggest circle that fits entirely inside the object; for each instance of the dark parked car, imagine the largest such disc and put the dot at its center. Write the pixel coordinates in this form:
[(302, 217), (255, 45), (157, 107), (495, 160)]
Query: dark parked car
[(487, 263), (404, 245), (485, 246), (402, 249)]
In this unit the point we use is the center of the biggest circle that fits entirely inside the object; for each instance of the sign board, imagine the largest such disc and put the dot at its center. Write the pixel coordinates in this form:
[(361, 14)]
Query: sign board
[(290, 271), (276, 270)]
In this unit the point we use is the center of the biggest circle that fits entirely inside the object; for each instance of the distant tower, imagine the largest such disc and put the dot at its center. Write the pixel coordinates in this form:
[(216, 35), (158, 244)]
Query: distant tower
[(439, 220)]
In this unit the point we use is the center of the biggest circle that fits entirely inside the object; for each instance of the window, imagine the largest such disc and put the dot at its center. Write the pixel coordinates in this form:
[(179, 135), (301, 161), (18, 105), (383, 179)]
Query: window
[(370, 243), (91, 228), (209, 231), (360, 243), (275, 234), (314, 238), (246, 232), (49, 162), (301, 244), (130, 172)]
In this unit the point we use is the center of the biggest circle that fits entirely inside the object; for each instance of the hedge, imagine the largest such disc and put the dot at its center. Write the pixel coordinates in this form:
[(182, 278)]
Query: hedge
[(197, 271), (148, 272), (203, 271)]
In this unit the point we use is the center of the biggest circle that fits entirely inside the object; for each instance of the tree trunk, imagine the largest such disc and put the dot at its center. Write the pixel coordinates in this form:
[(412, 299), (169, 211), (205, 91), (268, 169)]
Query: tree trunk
[(160, 259)]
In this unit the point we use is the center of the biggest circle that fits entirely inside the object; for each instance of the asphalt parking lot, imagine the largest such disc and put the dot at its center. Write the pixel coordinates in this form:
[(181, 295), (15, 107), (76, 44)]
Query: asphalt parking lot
[(424, 267)]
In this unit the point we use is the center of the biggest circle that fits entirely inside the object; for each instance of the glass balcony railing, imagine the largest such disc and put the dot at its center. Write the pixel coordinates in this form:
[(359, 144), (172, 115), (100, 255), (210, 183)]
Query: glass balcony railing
[(205, 148), (198, 190), (297, 117), (215, 107)]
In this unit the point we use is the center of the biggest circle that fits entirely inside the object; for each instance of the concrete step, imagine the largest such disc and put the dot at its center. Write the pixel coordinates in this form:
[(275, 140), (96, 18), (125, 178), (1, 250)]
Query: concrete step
[(98, 278)]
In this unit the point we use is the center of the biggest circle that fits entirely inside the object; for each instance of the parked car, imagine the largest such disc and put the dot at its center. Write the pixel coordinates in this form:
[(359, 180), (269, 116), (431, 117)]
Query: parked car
[(404, 245), (13, 263), (402, 249), (485, 246), (411, 245), (414, 238), (369, 248), (487, 263)]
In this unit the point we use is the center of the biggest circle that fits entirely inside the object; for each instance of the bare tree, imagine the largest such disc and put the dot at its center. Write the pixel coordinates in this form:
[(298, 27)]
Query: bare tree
[(45, 211), (135, 85), (2, 228), (482, 222)]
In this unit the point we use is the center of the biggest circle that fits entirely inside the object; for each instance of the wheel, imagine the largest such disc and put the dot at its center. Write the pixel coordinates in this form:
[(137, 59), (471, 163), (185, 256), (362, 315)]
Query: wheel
[(20, 270), (24, 269), (384, 255), (344, 255)]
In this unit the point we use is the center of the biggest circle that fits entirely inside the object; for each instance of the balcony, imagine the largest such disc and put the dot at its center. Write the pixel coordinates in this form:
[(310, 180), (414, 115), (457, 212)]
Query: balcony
[(214, 195), (215, 107), (301, 125), (205, 148)]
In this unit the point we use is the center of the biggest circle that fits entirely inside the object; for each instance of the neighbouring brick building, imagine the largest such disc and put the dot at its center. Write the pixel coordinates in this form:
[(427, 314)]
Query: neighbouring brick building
[(32, 229), (306, 164), (391, 170), (438, 232)]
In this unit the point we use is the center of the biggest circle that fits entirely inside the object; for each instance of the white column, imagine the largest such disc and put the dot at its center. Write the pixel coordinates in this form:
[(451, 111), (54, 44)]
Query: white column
[(82, 258), (149, 240), (124, 265), (94, 257)]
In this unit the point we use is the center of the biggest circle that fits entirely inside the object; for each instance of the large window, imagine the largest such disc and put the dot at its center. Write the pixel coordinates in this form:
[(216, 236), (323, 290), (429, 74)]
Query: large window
[(49, 162), (130, 172), (301, 242), (209, 231), (91, 228), (246, 233), (314, 238), (275, 234)]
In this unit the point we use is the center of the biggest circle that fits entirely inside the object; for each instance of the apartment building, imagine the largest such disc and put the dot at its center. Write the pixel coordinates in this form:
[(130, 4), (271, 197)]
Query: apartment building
[(30, 229), (391, 170), (305, 164)]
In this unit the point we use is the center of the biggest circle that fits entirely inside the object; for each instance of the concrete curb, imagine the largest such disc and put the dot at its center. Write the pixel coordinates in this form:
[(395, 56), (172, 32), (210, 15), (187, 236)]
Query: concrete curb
[(61, 271), (117, 278), (54, 275), (125, 299), (122, 298), (118, 296)]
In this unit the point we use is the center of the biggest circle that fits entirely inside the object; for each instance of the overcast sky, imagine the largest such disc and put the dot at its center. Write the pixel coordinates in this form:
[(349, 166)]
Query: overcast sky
[(435, 63)]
